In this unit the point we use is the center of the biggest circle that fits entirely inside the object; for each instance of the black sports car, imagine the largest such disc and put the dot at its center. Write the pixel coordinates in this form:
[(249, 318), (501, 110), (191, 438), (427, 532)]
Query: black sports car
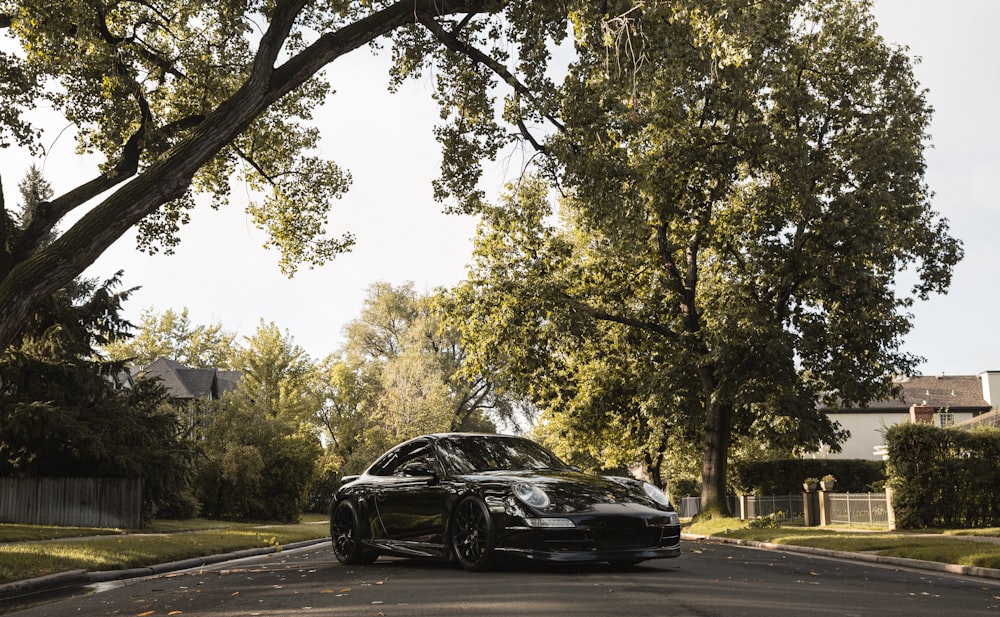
[(473, 497)]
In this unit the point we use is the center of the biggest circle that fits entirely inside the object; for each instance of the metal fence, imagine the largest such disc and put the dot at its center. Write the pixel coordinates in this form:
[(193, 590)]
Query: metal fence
[(844, 508), (785, 506), (858, 508), (74, 502), (689, 506)]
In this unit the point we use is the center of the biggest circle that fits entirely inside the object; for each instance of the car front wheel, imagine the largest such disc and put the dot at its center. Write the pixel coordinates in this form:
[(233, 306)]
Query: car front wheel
[(345, 534), (472, 535)]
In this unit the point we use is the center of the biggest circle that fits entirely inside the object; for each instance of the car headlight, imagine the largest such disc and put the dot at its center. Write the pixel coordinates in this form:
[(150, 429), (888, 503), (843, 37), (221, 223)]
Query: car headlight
[(655, 494), (531, 495)]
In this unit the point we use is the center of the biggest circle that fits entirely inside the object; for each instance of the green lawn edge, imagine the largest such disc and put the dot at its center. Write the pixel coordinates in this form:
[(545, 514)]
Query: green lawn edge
[(943, 546), (116, 549)]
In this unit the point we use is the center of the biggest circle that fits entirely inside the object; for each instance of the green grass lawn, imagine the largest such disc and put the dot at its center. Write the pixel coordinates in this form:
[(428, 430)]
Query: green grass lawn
[(944, 546), (36, 554)]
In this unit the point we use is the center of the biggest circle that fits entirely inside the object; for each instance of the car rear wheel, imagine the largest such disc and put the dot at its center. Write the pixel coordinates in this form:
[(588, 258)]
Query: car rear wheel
[(345, 534), (472, 535)]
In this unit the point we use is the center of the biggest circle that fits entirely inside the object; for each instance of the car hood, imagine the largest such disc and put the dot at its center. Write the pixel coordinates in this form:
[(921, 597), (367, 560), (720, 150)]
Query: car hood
[(573, 491)]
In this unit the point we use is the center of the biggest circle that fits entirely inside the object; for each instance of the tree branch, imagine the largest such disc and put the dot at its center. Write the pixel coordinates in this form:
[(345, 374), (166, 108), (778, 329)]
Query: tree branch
[(453, 43), (49, 268)]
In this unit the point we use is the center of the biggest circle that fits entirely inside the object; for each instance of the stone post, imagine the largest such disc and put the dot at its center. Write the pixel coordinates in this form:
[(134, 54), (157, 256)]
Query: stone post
[(824, 507), (810, 505)]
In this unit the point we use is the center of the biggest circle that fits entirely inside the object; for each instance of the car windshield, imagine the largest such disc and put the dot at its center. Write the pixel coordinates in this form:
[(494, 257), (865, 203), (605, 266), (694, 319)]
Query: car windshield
[(476, 453)]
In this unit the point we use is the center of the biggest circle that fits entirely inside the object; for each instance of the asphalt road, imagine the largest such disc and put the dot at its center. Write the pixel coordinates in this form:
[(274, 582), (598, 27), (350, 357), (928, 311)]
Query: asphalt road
[(708, 580)]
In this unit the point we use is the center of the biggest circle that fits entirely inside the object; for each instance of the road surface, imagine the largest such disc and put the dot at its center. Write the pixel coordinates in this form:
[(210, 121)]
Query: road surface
[(708, 580)]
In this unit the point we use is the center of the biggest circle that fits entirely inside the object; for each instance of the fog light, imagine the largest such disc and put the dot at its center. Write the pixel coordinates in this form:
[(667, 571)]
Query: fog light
[(550, 523)]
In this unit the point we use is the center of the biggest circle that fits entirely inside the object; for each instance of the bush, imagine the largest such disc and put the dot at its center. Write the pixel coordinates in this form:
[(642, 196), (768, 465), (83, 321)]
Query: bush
[(784, 476), (256, 466), (683, 487), (944, 477)]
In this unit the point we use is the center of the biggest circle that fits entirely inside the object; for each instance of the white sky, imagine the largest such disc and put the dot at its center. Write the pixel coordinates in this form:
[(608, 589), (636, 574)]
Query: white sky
[(221, 273)]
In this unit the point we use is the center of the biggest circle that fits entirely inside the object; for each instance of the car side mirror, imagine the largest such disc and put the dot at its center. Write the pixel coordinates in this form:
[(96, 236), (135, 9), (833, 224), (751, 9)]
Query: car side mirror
[(420, 469)]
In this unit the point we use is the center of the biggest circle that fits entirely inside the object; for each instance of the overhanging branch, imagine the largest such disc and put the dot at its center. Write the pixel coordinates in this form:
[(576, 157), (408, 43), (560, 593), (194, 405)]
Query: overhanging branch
[(455, 44)]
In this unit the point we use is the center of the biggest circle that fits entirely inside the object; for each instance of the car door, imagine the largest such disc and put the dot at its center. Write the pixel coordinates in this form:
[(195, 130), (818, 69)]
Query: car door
[(410, 499)]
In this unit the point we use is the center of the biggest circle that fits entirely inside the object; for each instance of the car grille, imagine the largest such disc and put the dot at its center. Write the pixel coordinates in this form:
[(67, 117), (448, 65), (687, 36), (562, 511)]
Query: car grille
[(616, 539), (609, 539)]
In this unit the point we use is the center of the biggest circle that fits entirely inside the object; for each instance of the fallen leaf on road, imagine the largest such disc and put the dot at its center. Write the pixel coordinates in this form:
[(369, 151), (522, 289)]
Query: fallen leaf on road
[(146, 614), (327, 591), (345, 590)]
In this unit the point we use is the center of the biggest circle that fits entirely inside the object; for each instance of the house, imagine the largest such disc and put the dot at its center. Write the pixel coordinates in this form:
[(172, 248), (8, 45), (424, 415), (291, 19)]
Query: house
[(189, 384), (945, 400), (189, 387)]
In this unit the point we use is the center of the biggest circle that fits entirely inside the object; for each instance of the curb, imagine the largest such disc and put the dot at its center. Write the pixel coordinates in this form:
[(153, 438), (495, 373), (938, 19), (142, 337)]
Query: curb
[(902, 562), (83, 577)]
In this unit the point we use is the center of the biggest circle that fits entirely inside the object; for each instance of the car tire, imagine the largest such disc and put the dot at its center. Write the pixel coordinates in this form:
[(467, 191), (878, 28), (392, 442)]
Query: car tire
[(345, 535), (472, 535)]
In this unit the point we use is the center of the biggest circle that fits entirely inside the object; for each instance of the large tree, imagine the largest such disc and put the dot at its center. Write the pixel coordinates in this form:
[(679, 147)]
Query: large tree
[(180, 96), (262, 445), (400, 374), (740, 205), (415, 365)]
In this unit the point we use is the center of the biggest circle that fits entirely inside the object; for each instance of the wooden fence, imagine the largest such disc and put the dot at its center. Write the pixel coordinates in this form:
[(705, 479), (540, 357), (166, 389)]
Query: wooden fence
[(72, 502)]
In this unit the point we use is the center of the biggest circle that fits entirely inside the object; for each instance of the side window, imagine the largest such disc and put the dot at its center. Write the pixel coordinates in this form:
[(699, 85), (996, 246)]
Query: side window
[(419, 464), (406, 460)]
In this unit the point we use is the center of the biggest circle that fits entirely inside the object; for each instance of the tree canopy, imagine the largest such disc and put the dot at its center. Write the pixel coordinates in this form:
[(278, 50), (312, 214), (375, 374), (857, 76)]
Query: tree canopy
[(171, 335), (180, 97), (400, 374), (742, 191), (742, 182)]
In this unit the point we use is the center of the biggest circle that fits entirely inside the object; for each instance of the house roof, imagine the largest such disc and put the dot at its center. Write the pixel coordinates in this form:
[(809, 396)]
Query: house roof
[(953, 392), (185, 383)]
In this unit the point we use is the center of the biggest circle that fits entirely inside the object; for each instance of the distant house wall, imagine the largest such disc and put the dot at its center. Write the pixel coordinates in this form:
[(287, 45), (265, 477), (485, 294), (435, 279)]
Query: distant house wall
[(991, 387), (953, 399), (867, 429)]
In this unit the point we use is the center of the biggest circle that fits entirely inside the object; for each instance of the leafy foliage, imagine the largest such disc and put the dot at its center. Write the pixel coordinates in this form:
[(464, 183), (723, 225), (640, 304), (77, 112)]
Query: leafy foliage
[(785, 477), (943, 477), (171, 335), (401, 375), (180, 98), (62, 415), (261, 446), (256, 466), (742, 184)]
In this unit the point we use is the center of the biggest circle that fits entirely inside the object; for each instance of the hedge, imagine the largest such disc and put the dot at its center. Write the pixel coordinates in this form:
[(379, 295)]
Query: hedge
[(785, 476), (944, 477)]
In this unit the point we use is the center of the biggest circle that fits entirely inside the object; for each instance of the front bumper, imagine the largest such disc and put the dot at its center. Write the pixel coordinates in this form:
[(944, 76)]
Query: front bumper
[(613, 539)]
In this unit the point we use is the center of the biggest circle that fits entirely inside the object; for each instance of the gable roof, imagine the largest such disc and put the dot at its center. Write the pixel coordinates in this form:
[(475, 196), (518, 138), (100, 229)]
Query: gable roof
[(957, 393), (185, 383)]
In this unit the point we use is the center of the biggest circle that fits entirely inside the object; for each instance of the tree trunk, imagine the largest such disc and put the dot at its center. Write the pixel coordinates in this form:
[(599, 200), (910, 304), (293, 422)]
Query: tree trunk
[(715, 454)]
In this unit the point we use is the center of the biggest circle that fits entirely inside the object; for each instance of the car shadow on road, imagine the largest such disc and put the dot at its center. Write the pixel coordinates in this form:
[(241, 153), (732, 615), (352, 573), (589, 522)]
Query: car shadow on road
[(525, 566)]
